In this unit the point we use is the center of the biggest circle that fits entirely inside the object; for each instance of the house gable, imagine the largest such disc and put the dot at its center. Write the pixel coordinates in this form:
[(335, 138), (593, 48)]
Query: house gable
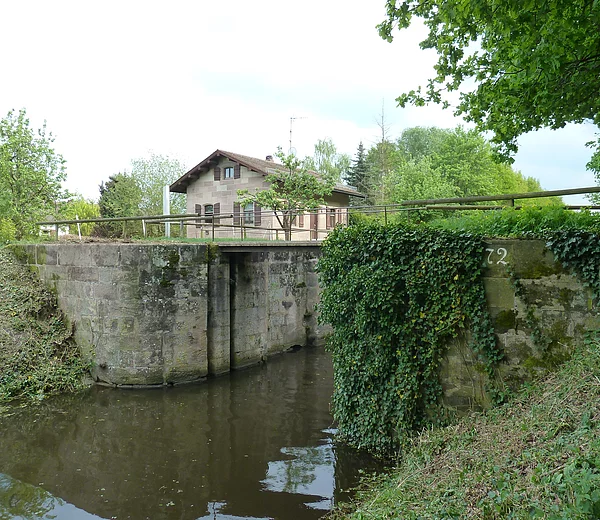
[(220, 159)]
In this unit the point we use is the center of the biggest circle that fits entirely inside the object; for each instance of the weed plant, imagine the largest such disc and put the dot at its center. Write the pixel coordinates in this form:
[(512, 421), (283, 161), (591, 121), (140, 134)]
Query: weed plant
[(38, 355)]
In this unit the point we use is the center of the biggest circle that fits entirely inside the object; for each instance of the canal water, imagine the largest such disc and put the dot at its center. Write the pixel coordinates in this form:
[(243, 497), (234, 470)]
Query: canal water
[(254, 444)]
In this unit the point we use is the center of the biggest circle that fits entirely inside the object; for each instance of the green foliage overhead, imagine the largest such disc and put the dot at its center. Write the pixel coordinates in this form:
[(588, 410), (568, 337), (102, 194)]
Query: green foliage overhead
[(534, 64), (292, 190), (395, 296), (31, 173)]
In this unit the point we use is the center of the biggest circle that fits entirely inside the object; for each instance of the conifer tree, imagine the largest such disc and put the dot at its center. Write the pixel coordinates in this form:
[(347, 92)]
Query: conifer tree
[(358, 171)]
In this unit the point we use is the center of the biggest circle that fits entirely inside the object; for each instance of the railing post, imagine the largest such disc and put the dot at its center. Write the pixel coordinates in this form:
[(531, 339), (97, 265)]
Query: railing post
[(385, 214), (78, 227), (212, 220), (144, 227)]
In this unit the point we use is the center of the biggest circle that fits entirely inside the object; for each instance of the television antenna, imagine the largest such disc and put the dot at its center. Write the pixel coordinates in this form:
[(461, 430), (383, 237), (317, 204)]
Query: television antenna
[(292, 150)]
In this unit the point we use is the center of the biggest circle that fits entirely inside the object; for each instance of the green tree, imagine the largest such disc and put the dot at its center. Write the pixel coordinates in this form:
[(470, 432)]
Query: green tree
[(78, 208), (357, 173), (120, 196), (31, 173), (293, 190), (326, 160), (382, 160), (417, 180), (463, 161), (431, 163), (151, 175), (533, 64), (419, 141)]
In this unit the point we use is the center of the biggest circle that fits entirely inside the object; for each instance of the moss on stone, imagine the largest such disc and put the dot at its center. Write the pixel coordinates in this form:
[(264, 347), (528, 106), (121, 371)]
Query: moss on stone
[(537, 268), (212, 252), (504, 321), (557, 334), (173, 259), (565, 297)]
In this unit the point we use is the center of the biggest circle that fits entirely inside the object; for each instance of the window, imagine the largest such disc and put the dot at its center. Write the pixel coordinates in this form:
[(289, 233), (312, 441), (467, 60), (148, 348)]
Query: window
[(228, 172), (330, 223), (209, 211), (249, 213), (301, 219)]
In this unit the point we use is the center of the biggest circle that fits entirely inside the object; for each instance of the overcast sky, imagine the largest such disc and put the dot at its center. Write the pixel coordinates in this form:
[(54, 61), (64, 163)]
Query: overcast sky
[(117, 80)]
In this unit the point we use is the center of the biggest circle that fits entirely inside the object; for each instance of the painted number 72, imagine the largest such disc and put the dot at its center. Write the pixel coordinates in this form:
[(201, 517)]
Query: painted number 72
[(501, 252)]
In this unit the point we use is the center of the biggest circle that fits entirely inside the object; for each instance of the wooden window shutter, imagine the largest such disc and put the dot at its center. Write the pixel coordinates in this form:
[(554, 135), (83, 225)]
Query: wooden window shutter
[(217, 208), (237, 171), (257, 215), (217, 173), (198, 208), (327, 220), (236, 213)]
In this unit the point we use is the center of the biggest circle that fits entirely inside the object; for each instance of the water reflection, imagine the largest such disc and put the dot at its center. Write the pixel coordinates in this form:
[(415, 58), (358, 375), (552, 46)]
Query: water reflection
[(309, 471), (255, 444), (21, 500)]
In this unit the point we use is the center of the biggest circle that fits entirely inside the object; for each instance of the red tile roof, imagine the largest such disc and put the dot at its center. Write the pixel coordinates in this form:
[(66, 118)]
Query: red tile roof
[(252, 163)]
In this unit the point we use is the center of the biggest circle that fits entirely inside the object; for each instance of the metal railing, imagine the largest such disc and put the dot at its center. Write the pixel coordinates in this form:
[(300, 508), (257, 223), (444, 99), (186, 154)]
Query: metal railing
[(333, 216)]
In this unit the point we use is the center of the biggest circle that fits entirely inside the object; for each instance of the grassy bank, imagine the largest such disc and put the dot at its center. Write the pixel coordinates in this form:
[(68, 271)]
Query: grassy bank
[(37, 352), (536, 457)]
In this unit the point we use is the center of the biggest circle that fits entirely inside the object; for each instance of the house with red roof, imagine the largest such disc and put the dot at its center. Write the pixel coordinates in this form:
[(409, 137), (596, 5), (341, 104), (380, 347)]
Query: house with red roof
[(211, 191)]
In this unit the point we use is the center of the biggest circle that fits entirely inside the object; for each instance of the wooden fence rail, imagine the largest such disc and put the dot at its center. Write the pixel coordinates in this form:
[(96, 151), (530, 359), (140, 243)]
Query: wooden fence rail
[(215, 222)]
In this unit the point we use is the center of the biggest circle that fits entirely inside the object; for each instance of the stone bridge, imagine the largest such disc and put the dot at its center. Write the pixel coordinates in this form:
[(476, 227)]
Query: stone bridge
[(149, 314)]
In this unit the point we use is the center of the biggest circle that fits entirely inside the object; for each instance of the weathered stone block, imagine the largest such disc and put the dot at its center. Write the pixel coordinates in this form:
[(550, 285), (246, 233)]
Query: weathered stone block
[(532, 260), (499, 293), (104, 255), (106, 291), (83, 274), (74, 255)]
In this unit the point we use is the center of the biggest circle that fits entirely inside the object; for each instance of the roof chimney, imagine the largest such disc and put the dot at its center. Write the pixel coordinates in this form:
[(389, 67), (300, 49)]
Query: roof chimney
[(269, 158)]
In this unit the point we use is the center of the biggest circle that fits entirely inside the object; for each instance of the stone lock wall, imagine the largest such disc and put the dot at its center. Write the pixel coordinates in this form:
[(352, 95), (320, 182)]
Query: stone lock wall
[(166, 314), (136, 310), (161, 314), (552, 300)]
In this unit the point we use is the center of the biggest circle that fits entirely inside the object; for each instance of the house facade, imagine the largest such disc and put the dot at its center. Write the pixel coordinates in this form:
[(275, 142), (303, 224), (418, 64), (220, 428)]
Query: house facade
[(211, 191)]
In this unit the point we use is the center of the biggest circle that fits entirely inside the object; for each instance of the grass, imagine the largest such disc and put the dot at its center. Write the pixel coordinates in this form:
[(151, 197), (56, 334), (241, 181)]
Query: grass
[(536, 457), (528, 221), (38, 355)]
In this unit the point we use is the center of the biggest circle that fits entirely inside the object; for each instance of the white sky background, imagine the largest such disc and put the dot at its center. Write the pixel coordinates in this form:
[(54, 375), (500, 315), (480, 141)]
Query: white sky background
[(116, 80)]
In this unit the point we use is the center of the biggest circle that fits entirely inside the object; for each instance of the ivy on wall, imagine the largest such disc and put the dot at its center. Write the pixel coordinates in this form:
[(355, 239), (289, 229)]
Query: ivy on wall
[(578, 251), (395, 297)]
